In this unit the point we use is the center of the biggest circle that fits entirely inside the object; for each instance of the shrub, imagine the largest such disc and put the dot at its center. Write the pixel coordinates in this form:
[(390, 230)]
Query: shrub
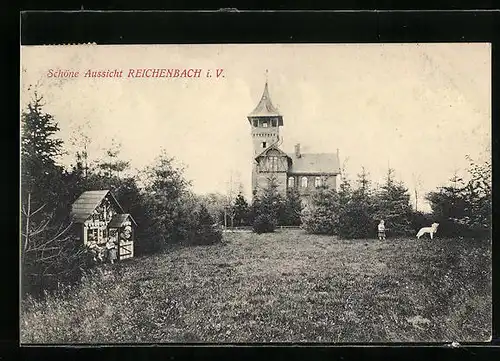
[(464, 208), (48, 267), (319, 221), (356, 221), (264, 223), (289, 213), (207, 231), (322, 216), (421, 219)]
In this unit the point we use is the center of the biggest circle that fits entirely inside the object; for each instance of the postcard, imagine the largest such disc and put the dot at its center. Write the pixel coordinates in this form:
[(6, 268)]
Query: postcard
[(256, 193)]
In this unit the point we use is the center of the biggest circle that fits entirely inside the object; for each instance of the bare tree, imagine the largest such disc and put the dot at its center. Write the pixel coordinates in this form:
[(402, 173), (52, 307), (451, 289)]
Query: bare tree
[(45, 251), (234, 187), (417, 186), (81, 140)]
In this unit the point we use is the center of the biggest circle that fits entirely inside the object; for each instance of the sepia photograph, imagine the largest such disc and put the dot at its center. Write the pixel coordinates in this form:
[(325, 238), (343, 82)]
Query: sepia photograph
[(255, 193)]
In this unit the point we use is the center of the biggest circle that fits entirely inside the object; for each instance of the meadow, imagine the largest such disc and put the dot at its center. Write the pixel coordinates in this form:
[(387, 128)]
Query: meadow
[(287, 286)]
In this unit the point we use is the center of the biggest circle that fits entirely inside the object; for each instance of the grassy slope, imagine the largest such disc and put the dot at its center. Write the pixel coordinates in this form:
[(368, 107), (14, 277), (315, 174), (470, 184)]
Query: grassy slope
[(283, 287)]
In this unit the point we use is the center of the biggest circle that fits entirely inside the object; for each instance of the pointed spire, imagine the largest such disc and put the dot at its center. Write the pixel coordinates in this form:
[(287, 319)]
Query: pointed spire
[(265, 108)]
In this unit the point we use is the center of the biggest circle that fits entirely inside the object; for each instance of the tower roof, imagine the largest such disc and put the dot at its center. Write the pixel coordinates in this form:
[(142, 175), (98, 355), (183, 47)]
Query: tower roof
[(265, 108)]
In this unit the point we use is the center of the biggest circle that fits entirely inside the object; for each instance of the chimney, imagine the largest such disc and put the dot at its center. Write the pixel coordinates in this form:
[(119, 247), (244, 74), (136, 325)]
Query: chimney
[(297, 150)]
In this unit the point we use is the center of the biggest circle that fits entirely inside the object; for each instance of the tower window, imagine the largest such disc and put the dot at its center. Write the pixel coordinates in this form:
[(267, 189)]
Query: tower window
[(291, 182), (303, 182), (264, 144), (273, 164), (317, 182)]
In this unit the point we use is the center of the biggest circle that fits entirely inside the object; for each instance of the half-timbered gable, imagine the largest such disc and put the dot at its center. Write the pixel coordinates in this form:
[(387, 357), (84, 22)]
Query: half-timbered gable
[(272, 160)]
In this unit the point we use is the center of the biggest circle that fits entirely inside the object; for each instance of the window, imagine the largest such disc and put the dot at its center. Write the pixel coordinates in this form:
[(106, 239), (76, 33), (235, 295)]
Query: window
[(92, 235), (291, 182), (264, 124), (317, 182), (263, 144), (304, 182), (273, 164)]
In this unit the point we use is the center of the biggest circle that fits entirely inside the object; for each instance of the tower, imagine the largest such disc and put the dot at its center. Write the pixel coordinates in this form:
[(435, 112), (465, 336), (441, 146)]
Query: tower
[(265, 121)]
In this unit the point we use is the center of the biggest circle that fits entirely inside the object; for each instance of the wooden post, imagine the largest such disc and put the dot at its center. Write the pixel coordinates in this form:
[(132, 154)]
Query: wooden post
[(118, 246)]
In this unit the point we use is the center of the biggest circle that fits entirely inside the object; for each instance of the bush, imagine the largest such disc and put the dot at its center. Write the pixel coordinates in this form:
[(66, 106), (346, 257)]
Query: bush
[(354, 212), (464, 208), (264, 223), (209, 234), (322, 217), (356, 222), (206, 231), (319, 221), (47, 268), (290, 210), (421, 219)]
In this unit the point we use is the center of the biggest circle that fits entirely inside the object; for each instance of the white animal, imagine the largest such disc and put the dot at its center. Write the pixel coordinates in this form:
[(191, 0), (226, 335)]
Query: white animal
[(431, 230)]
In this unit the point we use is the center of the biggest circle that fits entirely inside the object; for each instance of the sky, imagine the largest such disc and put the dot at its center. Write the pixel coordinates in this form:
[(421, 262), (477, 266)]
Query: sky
[(418, 108)]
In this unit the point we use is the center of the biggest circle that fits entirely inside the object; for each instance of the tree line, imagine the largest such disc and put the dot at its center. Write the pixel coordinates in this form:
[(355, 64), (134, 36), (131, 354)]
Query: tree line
[(167, 211), (462, 208)]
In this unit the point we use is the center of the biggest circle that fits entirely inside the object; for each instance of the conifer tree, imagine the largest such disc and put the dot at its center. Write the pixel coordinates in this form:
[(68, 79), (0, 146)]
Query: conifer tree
[(241, 210), (266, 208), (478, 198), (206, 230), (355, 219), (322, 216), (290, 212), (40, 175), (393, 206)]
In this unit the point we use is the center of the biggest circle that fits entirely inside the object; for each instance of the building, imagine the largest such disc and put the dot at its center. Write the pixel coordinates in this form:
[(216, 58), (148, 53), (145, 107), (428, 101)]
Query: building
[(302, 171), (98, 217)]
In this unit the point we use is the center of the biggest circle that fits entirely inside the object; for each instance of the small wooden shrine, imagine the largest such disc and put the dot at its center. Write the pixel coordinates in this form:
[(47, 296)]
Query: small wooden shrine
[(99, 218)]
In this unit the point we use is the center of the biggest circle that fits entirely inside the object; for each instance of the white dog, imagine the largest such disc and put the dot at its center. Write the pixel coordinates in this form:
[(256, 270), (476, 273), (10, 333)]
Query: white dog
[(431, 230)]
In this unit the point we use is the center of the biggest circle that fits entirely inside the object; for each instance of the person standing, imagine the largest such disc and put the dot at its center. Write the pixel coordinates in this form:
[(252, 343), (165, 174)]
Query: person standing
[(111, 247), (381, 231)]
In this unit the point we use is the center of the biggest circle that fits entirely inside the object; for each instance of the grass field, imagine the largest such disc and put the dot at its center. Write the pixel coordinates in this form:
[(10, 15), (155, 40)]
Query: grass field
[(283, 287)]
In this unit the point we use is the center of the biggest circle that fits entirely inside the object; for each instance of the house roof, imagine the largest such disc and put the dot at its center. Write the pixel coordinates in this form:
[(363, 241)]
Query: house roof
[(265, 108), (88, 201), (119, 219), (315, 163)]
